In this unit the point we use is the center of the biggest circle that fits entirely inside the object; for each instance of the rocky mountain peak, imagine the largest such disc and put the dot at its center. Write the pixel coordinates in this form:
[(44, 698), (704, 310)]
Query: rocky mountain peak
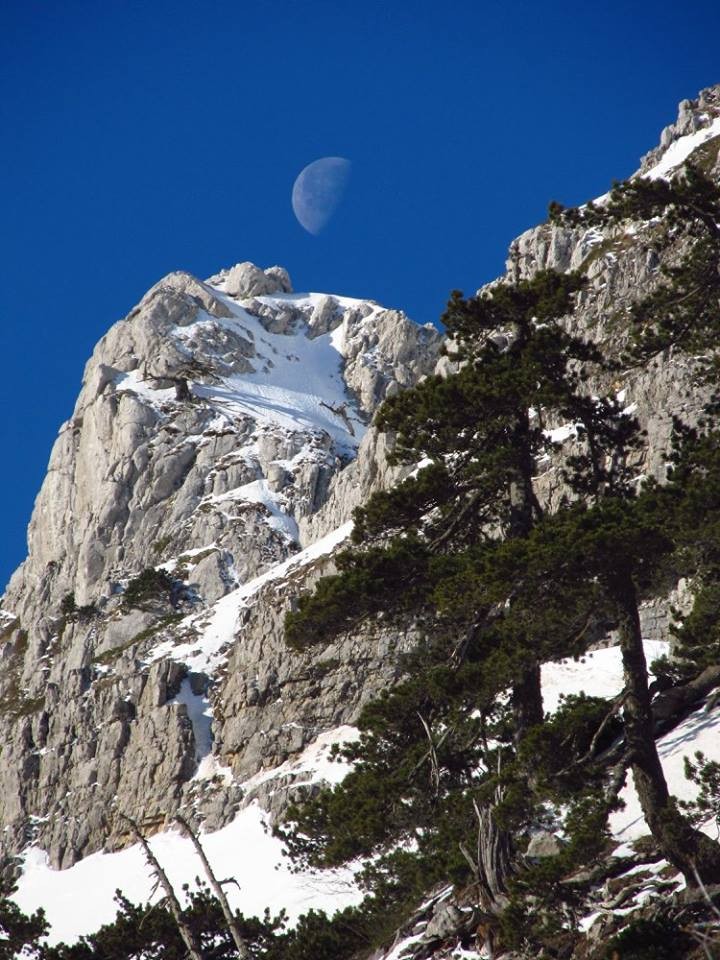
[(694, 116), (213, 424), (212, 403), (247, 280)]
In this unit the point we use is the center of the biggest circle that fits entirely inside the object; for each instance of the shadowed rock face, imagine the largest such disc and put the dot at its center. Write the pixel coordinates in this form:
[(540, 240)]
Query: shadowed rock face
[(221, 428)]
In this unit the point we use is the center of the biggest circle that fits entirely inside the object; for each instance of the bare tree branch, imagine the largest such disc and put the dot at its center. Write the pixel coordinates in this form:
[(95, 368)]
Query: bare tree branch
[(432, 755), (172, 901), (589, 753), (230, 920)]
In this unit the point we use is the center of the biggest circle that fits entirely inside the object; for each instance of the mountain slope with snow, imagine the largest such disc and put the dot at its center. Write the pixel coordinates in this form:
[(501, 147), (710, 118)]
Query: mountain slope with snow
[(213, 421), (220, 441)]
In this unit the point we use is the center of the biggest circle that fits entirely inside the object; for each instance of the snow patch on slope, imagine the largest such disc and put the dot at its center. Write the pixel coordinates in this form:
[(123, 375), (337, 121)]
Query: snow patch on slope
[(258, 491), (206, 652), (296, 380), (597, 674), (314, 763), (681, 149), (200, 716), (699, 731), (78, 900)]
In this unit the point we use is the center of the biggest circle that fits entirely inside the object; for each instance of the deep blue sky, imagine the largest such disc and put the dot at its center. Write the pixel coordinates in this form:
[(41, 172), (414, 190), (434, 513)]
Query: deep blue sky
[(146, 136)]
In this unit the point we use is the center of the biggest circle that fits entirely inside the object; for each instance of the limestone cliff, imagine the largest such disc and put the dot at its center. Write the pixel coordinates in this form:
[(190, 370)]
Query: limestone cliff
[(212, 424)]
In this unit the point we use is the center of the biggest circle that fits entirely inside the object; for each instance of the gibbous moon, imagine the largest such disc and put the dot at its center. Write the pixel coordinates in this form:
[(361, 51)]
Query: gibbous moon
[(318, 190)]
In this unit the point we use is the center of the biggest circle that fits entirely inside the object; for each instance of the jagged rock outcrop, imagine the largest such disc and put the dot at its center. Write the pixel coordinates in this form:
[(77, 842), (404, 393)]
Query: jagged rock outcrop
[(620, 263), (211, 423)]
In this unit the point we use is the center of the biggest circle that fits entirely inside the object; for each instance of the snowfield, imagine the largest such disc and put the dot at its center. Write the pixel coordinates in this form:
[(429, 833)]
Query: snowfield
[(79, 899), (598, 674), (296, 379)]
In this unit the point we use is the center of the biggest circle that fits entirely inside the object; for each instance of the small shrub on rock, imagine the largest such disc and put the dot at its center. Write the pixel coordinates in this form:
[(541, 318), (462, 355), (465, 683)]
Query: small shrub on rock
[(149, 585)]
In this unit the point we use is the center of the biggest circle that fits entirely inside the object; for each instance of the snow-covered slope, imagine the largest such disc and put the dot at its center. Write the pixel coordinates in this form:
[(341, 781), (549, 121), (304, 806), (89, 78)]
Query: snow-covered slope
[(293, 381), (77, 900)]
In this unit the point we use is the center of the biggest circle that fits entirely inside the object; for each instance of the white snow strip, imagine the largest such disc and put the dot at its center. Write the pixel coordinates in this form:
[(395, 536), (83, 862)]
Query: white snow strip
[(132, 382), (210, 768), (207, 652), (258, 491), (597, 674), (314, 761), (200, 715), (338, 337), (6, 618), (586, 922), (681, 149), (79, 900), (311, 299), (561, 434), (171, 565), (402, 949)]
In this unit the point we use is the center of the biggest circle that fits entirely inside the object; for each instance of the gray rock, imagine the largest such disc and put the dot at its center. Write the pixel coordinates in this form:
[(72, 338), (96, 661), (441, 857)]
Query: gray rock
[(121, 629), (281, 277), (147, 471), (325, 317), (543, 845), (246, 280), (445, 923), (211, 576)]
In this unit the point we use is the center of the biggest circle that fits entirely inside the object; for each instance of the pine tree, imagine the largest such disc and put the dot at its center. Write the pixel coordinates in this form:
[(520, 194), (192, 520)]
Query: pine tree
[(467, 547), (681, 312), (480, 434), (447, 546), (20, 935)]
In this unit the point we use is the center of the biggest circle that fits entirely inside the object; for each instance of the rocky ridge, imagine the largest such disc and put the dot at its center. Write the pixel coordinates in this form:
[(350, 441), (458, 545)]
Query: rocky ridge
[(212, 424)]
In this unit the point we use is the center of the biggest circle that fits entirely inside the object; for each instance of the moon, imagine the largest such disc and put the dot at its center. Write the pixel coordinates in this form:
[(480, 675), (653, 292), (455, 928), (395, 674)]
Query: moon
[(318, 190)]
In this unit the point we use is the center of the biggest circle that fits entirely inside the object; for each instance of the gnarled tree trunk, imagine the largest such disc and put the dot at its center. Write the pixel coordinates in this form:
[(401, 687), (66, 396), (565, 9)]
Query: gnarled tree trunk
[(690, 850)]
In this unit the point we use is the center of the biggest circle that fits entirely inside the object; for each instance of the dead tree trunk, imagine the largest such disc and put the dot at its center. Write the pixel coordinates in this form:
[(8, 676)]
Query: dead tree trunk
[(173, 904), (216, 885), (492, 866), (495, 856)]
